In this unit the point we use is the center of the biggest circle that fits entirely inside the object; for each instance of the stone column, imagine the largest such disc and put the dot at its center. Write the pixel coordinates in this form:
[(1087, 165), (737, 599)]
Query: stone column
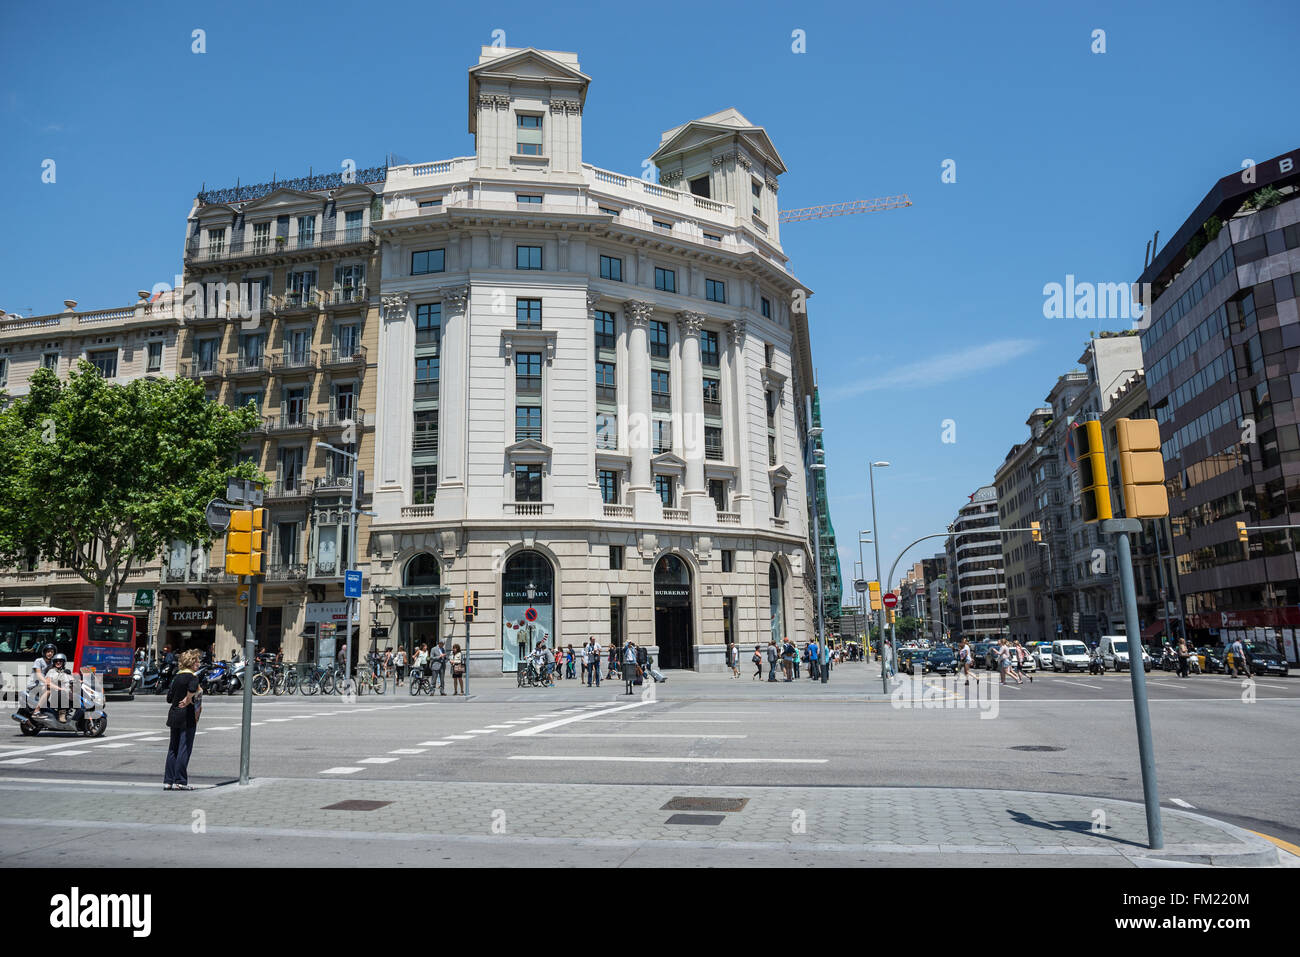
[(695, 494), (392, 415), (741, 420), (453, 403), (637, 420)]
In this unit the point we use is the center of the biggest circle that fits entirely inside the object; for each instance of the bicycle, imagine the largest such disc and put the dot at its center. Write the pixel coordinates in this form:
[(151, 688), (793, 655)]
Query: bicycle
[(286, 679), (317, 679), (367, 680)]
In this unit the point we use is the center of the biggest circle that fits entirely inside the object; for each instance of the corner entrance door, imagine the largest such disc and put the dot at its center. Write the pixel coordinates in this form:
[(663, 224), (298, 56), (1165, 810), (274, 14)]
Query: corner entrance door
[(673, 631)]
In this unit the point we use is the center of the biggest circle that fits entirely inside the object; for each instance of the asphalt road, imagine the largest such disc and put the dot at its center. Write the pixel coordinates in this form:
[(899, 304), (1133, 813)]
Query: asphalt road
[(1223, 749)]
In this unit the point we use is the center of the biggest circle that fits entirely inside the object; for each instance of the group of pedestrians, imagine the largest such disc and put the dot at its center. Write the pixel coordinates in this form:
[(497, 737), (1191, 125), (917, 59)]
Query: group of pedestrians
[(819, 658)]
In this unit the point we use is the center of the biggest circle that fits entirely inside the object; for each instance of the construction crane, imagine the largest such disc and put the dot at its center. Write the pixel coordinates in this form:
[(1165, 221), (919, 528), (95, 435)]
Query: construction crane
[(844, 209)]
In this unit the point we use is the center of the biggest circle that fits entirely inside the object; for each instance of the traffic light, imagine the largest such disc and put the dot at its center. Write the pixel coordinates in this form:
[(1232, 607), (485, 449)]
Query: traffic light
[(890, 612), (1242, 535), (246, 542), (1141, 468), (874, 589), (1035, 531), (1094, 487), (471, 605)]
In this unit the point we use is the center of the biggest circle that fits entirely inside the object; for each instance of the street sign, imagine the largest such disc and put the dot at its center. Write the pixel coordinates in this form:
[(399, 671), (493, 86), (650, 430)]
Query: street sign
[(143, 598), (889, 599), (217, 515), (531, 614), (241, 596), (860, 585), (244, 491), (1075, 619), (352, 584)]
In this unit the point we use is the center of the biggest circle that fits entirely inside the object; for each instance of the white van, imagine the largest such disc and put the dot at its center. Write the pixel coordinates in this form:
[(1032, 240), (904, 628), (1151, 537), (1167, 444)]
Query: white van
[(1069, 654), (1114, 653)]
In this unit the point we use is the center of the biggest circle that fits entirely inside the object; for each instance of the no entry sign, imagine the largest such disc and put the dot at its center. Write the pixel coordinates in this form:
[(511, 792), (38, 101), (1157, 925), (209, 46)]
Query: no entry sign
[(890, 599)]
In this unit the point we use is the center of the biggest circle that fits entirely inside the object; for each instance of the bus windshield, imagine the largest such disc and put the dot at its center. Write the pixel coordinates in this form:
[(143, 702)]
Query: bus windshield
[(21, 636)]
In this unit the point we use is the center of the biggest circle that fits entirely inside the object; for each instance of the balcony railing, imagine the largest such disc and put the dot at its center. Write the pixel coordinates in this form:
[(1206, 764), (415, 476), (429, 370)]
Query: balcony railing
[(282, 571), (426, 441), (290, 422), (332, 483), (356, 355), (713, 407), (341, 418), (347, 295), (290, 488), (426, 389), (306, 299), (294, 360), (661, 401), (728, 518), (606, 441), (528, 434), (417, 511), (247, 365), (607, 393), (613, 510), (200, 369), (713, 451), (676, 515), (198, 251), (325, 570), (528, 385), (528, 508)]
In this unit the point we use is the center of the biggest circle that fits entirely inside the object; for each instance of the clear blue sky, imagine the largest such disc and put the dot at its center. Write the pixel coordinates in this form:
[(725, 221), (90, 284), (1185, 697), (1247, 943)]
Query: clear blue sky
[(1067, 161)]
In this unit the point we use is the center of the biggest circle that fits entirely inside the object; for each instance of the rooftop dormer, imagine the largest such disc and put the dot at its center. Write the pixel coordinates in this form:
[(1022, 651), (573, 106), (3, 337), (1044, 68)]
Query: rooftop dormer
[(525, 111)]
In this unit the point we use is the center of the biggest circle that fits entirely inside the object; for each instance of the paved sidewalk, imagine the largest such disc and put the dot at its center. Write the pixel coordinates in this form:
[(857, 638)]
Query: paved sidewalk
[(554, 824)]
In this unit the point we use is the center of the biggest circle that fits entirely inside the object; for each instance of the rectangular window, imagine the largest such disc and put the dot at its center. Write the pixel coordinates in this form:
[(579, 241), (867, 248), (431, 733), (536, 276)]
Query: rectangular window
[(713, 442), (765, 306), (528, 257), (428, 260), (658, 339), (665, 279), (728, 561), (528, 373), (528, 483), (608, 486), (530, 198), (700, 186), (616, 557), (207, 354), (352, 226), (261, 237), (778, 501), (660, 395), (713, 238), (709, 349), (604, 329), (528, 313), (4, 371), (426, 431), (528, 135), (606, 431), (306, 231), (756, 188), (718, 492), (154, 363), (608, 211), (347, 340), (430, 203), (712, 404), (606, 389), (662, 226), (302, 287), (424, 484), (664, 488), (105, 362), (426, 377), (662, 436), (216, 241), (428, 322), (528, 423), (715, 291), (51, 361), (611, 267)]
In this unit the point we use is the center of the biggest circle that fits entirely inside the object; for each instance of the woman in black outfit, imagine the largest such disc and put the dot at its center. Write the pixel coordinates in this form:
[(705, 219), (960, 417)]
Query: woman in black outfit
[(184, 694)]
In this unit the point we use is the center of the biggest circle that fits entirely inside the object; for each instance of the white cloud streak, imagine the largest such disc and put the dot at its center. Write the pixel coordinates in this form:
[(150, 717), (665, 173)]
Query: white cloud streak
[(934, 370)]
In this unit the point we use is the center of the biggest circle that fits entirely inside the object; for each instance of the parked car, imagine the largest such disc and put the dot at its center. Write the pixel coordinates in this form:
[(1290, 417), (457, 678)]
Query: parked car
[(1263, 661), (1114, 651), (1030, 664), (1042, 655), (1212, 660), (977, 652), (1069, 654)]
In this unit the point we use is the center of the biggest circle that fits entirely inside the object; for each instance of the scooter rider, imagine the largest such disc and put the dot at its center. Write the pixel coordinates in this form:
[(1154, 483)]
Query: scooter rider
[(39, 680), (58, 681)]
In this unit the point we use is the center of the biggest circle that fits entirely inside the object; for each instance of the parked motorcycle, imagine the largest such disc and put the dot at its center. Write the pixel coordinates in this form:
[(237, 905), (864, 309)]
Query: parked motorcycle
[(166, 672), (146, 677), (87, 718), (235, 677), (214, 678)]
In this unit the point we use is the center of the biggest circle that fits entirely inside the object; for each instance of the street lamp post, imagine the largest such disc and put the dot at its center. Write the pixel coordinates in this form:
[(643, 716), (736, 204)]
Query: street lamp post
[(875, 524), (357, 477), (862, 596)]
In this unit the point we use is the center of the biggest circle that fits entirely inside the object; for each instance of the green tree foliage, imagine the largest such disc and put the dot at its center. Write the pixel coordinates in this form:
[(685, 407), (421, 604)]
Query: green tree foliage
[(99, 477)]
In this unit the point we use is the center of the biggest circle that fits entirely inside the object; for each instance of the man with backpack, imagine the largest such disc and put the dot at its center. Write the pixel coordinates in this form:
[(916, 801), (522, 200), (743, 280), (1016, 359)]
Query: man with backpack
[(771, 659), (591, 654)]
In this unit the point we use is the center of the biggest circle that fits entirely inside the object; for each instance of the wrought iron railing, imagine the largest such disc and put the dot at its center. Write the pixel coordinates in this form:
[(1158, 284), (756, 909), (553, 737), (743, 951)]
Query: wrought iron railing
[(304, 184), (344, 357)]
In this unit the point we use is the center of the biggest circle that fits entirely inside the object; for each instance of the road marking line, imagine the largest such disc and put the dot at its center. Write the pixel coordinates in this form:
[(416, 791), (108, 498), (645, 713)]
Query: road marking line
[(539, 728), (224, 727), (269, 720), (1285, 845), (376, 760), (59, 754), (434, 744), (342, 770), (124, 744), (1275, 687), (79, 741), (22, 760), (156, 738), (480, 731), (631, 720), (498, 727), (575, 757), (460, 737), (580, 734), (1181, 803), (1083, 684), (408, 751)]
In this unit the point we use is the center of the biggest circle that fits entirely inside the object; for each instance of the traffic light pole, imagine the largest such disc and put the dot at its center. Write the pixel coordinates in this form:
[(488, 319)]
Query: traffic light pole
[(1137, 673), (250, 656)]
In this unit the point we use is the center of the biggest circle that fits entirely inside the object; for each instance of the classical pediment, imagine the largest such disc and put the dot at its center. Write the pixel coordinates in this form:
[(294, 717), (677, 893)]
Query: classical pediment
[(529, 451), (779, 474), (281, 198), (720, 127), (529, 65), (668, 462)]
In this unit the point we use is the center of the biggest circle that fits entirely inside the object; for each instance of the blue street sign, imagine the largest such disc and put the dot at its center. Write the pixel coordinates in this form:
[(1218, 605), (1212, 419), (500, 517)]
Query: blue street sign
[(351, 585)]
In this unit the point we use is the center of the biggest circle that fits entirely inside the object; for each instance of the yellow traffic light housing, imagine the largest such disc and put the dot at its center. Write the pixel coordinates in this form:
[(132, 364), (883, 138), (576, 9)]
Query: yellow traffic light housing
[(471, 603), (246, 542), (874, 590), (1243, 536), (1094, 487), (1035, 531), (1141, 468)]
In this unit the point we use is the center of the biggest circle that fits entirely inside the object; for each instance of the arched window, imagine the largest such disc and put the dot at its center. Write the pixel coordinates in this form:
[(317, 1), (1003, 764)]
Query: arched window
[(527, 606), (421, 570)]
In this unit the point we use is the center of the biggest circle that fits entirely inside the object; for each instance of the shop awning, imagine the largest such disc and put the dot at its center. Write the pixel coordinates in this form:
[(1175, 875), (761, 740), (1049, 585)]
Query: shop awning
[(1150, 631)]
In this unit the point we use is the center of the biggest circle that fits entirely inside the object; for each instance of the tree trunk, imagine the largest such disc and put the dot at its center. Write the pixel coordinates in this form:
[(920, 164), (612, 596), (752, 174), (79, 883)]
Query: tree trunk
[(100, 597)]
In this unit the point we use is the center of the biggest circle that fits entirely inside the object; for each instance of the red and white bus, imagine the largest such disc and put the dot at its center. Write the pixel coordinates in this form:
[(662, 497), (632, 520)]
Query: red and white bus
[(102, 642)]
